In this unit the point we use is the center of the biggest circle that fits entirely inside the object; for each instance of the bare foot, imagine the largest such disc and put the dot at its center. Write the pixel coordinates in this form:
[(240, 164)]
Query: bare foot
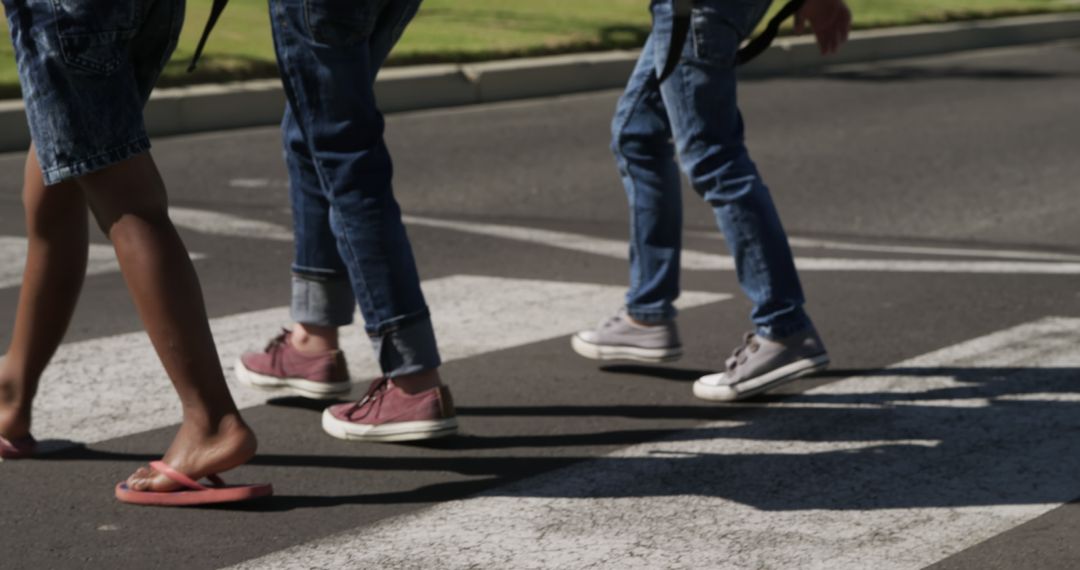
[(198, 451)]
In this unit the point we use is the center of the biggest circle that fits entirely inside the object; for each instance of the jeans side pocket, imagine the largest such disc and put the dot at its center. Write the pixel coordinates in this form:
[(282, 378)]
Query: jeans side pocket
[(716, 40), (341, 23), (94, 36)]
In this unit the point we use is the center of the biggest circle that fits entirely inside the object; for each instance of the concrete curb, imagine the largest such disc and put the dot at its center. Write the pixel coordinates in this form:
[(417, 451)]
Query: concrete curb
[(259, 103)]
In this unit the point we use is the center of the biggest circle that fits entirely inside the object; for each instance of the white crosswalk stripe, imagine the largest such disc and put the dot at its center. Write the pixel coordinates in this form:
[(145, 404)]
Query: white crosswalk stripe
[(101, 260), (961, 252), (220, 224), (1003, 261), (110, 387), (702, 261), (877, 481)]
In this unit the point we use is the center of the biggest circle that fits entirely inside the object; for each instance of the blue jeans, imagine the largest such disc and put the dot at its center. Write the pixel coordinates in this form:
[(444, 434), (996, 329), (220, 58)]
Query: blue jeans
[(351, 245), (87, 70), (694, 112)]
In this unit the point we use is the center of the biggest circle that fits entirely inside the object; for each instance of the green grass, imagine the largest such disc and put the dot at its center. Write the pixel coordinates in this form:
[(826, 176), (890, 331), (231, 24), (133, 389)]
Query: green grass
[(471, 30)]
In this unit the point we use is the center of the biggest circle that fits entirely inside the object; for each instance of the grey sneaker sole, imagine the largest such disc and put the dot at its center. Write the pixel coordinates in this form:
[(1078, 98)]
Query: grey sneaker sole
[(291, 386), (614, 352), (762, 383), (397, 431)]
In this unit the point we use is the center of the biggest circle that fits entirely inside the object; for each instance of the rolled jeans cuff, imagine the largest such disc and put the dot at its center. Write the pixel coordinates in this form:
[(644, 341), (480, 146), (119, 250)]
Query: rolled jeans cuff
[(408, 349), (324, 302), (650, 315), (788, 326)]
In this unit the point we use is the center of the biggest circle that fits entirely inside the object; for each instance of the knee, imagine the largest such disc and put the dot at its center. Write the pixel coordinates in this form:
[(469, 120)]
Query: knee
[(127, 195), (126, 226), (635, 134), (705, 162), (722, 175), (641, 147)]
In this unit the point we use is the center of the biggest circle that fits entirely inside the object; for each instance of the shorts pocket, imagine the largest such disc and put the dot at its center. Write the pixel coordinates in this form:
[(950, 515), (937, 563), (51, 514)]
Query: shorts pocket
[(341, 23), (94, 36)]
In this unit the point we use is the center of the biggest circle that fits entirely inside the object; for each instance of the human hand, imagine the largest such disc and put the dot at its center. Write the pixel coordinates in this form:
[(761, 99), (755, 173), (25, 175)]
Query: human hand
[(830, 20)]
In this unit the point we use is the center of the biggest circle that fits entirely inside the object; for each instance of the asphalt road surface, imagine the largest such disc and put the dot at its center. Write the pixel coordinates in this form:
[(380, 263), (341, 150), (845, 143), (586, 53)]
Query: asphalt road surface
[(933, 207)]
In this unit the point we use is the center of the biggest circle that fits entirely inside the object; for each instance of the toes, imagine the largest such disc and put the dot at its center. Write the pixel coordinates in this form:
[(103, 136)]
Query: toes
[(146, 479), (140, 479)]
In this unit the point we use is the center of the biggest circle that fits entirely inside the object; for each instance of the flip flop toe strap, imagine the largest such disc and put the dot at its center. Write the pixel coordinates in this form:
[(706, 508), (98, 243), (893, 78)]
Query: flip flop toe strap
[(180, 478)]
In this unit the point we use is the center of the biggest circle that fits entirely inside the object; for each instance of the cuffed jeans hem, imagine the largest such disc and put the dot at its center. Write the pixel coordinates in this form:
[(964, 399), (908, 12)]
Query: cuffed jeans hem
[(788, 326), (407, 350), (650, 315), (323, 302)]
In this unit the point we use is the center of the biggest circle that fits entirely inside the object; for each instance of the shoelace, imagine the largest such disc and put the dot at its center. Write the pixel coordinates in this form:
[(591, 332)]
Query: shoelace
[(373, 396), (611, 321), (272, 346), (740, 356)]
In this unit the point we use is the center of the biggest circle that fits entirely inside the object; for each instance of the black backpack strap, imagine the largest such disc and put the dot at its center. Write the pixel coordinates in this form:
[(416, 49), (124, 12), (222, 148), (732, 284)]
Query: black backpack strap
[(681, 30), (762, 42), (215, 13)]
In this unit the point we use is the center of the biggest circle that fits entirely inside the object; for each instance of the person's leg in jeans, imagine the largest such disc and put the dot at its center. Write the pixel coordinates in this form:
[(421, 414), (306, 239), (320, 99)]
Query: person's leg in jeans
[(700, 100), (68, 172), (645, 156), (323, 300), (329, 55), (644, 330), (696, 107)]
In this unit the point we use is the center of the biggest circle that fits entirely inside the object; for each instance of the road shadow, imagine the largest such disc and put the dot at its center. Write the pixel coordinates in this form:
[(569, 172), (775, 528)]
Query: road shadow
[(901, 73), (901, 438), (653, 371)]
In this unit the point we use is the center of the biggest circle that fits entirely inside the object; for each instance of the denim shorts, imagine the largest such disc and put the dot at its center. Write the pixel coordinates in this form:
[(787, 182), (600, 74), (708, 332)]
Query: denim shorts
[(87, 70)]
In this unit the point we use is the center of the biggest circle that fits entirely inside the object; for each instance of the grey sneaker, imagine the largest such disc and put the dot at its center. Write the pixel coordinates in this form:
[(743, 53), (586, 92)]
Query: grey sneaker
[(618, 338), (761, 364)]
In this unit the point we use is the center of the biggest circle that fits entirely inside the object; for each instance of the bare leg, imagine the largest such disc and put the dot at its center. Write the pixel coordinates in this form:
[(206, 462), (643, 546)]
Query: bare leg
[(56, 230), (129, 202)]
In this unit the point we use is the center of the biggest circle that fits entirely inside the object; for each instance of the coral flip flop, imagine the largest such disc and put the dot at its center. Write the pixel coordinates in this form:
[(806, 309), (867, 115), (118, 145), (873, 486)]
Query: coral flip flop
[(17, 448), (194, 494)]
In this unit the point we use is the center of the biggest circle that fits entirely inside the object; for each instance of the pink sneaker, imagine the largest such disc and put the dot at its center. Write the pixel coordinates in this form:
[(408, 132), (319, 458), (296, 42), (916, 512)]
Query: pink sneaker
[(281, 368), (388, 413)]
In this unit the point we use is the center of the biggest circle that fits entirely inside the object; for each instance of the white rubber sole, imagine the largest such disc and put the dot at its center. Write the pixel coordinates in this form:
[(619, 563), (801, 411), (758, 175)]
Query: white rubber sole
[(762, 383), (292, 386), (398, 431), (608, 352)]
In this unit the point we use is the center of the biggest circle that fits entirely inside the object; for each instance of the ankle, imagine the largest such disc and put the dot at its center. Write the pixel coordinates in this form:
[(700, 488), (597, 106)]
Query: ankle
[(643, 324), (212, 421), (14, 421), (313, 339), (13, 395), (419, 382)]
